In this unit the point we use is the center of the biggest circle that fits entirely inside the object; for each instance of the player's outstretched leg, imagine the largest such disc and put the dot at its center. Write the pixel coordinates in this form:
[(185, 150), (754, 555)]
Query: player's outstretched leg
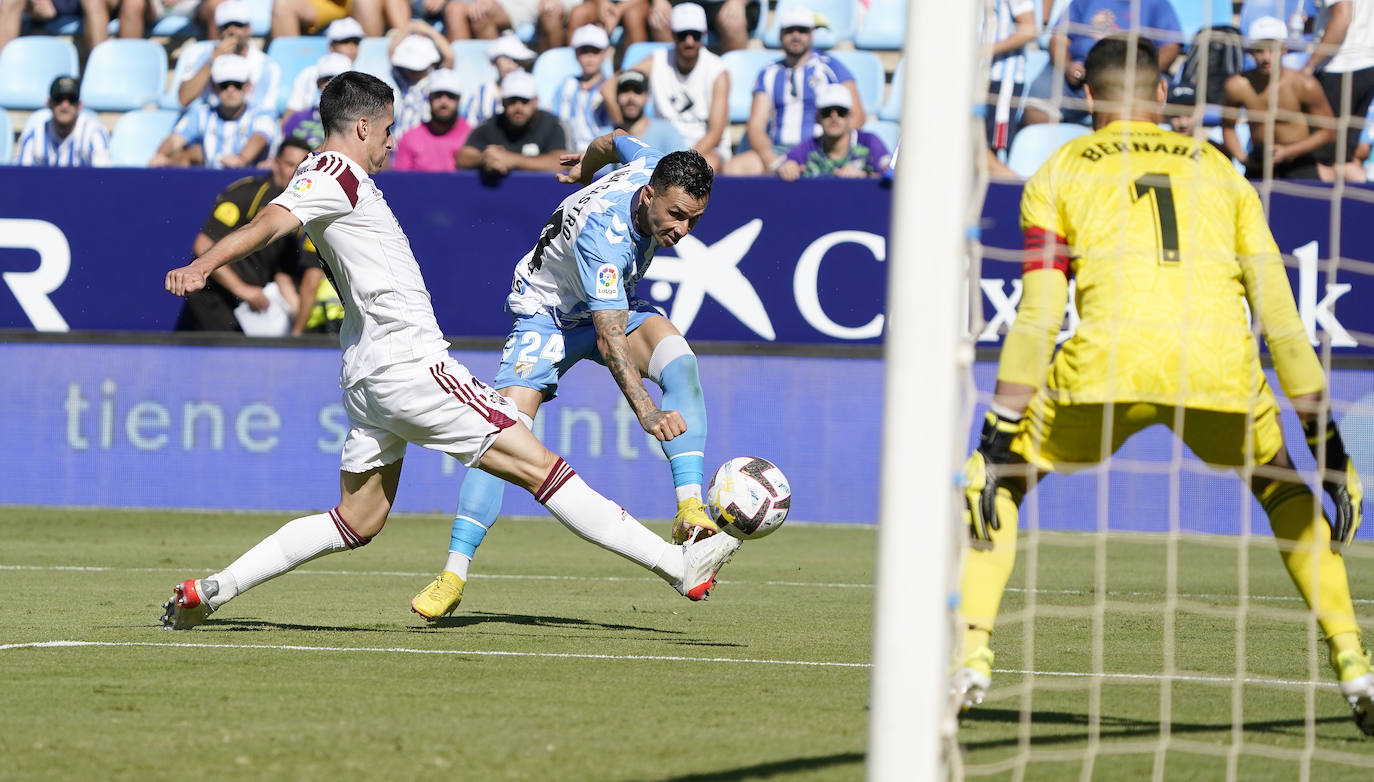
[(987, 569), (353, 523), (673, 367), (1304, 540)]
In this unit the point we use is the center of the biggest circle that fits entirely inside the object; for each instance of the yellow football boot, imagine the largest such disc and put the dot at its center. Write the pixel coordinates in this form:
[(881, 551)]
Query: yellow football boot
[(440, 598), (691, 513)]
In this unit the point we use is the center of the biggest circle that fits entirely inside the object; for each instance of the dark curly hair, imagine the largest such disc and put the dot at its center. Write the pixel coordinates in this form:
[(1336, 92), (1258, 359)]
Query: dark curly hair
[(686, 169), (350, 96)]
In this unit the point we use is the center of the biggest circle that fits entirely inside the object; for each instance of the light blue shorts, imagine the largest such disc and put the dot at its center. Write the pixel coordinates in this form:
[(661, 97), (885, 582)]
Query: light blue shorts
[(538, 352)]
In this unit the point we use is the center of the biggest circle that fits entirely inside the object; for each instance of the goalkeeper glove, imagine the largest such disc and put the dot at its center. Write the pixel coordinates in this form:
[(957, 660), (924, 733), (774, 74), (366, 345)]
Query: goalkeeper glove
[(1341, 481), (982, 477)]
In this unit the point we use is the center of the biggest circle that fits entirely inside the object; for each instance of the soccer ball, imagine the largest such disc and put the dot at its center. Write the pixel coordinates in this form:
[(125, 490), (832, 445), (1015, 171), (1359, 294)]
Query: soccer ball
[(748, 497)]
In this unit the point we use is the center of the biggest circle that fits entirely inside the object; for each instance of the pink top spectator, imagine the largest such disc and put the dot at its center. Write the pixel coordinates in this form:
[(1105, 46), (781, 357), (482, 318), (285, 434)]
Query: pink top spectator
[(421, 150)]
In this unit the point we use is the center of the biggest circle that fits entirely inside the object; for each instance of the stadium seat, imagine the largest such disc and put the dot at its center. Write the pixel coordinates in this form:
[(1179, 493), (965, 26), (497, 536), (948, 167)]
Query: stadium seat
[(869, 75), (28, 66), (169, 26), (473, 67), (892, 107), (525, 32), (373, 57), (555, 65), (1193, 15), (6, 139), (889, 132), (191, 52), (260, 17), (841, 15), (884, 26), (123, 74), (1033, 145), (294, 54), (744, 66), (640, 51), (137, 136)]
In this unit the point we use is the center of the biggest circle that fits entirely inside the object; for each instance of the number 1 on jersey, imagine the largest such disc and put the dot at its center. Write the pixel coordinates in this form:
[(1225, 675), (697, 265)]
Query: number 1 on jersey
[(1161, 195)]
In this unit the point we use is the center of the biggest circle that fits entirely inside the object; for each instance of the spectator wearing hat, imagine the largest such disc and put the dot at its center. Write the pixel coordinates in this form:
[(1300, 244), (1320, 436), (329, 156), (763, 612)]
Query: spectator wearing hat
[(63, 134), (1284, 99), (344, 36), (434, 144), (507, 54), (1343, 62), (631, 96), (302, 17), (632, 16), (413, 57), (839, 150), (1060, 98), (731, 20), (231, 21), (521, 137), (784, 110), (689, 86), (225, 133), (578, 100), (487, 18), (306, 124)]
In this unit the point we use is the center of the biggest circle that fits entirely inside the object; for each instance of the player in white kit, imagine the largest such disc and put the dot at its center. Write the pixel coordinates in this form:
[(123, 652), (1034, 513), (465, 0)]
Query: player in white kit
[(399, 383)]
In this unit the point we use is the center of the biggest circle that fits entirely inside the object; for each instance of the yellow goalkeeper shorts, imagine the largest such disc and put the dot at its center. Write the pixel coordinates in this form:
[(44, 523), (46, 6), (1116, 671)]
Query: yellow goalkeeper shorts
[(1066, 437)]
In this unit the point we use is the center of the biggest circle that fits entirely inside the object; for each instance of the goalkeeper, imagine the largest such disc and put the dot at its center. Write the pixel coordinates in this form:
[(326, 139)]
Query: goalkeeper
[(1168, 244)]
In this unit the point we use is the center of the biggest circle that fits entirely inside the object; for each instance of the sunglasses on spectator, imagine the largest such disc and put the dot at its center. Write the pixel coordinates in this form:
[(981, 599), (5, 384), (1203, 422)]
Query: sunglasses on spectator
[(633, 88), (790, 30), (513, 101), (443, 93), (688, 35), (224, 85), (833, 111), (72, 99), (348, 40)]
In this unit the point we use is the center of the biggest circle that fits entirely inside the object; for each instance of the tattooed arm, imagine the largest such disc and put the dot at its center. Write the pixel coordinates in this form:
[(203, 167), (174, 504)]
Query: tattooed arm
[(615, 350)]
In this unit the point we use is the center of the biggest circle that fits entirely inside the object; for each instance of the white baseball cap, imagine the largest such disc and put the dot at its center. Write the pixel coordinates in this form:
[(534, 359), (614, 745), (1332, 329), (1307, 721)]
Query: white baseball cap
[(1267, 28), (519, 84), (230, 67), (590, 35), (415, 53), (689, 17), (510, 46), (796, 16), (331, 65), (343, 29), (232, 12), (445, 80), (834, 95)]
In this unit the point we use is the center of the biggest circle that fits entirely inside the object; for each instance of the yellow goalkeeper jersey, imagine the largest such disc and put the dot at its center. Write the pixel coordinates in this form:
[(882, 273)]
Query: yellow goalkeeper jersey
[(1166, 242)]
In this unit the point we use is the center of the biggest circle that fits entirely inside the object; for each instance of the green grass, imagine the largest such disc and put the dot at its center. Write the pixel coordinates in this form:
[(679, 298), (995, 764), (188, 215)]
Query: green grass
[(553, 667)]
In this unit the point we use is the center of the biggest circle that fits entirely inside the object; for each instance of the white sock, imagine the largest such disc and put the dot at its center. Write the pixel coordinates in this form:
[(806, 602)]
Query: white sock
[(601, 521), (296, 543), (690, 491), (458, 564)]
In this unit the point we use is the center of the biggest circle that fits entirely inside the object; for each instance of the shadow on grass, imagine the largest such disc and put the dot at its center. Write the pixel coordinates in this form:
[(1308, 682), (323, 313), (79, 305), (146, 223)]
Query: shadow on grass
[(260, 625), (1120, 727), (475, 618), (777, 768)]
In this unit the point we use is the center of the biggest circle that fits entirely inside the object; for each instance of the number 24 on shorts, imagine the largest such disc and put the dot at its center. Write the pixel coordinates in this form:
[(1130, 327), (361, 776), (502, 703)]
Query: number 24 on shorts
[(529, 345)]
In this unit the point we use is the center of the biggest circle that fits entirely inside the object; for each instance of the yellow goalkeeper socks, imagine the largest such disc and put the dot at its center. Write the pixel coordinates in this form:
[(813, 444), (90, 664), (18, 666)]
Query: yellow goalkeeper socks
[(1305, 546), (985, 575)]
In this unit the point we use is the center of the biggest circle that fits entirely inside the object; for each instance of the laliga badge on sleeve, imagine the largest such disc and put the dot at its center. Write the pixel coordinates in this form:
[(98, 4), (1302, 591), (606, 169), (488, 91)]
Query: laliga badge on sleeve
[(607, 282)]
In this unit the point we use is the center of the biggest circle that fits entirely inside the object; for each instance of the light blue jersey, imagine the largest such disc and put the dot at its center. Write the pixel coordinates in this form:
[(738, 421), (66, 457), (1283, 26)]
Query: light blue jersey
[(590, 254), (202, 124), (581, 110)]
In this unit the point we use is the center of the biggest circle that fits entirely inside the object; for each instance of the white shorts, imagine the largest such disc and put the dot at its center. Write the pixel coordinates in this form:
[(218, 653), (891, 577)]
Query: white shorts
[(436, 404)]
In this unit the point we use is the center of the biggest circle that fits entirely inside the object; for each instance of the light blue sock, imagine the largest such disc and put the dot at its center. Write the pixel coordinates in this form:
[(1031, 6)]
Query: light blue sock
[(479, 503), (682, 392)]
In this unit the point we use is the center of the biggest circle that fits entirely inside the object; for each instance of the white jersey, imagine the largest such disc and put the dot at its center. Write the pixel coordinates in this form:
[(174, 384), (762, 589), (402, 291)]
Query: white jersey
[(86, 145), (590, 254), (685, 99), (1357, 52), (388, 318)]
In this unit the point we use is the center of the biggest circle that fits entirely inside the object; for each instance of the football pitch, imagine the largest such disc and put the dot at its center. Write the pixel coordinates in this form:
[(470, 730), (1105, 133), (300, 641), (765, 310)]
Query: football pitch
[(566, 663)]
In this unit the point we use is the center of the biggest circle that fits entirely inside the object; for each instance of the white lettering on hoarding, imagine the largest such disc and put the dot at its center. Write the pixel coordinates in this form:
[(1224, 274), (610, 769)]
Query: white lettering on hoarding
[(31, 289), (805, 284)]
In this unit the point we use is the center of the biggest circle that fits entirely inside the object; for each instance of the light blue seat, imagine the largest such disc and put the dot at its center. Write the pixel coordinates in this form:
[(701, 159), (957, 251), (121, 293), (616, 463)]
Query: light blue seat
[(373, 58), (473, 67), (525, 32), (6, 138), (1193, 15), (1034, 144), (842, 16), (194, 51), (639, 51), (889, 132), (260, 17), (744, 66), (892, 107), (123, 74), (29, 64), (555, 65), (137, 136), (868, 75), (294, 54), (169, 26), (64, 25), (884, 26)]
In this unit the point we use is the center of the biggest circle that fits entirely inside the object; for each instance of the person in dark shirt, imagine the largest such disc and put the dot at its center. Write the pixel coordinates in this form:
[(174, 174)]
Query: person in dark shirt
[(522, 137)]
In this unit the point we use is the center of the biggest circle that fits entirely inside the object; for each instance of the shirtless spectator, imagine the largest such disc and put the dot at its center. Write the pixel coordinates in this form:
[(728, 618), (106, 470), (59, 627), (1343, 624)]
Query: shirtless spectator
[(1270, 93)]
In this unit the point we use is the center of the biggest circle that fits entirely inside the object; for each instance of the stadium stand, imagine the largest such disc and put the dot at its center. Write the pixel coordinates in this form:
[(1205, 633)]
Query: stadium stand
[(744, 66), (294, 54), (889, 132), (555, 65), (841, 16), (193, 51), (28, 66), (260, 17), (869, 75), (373, 58), (891, 110), (883, 27), (1193, 15), (124, 74), (7, 134), (639, 51), (137, 135), (1033, 144), (472, 64)]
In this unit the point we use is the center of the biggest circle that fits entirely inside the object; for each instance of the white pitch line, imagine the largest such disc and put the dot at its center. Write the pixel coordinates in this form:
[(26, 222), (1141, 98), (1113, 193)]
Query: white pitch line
[(454, 652), (1175, 677)]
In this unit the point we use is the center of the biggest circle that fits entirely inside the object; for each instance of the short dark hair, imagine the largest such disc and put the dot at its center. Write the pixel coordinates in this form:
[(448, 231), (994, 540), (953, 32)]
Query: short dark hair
[(294, 142), (686, 169), (350, 96), (1106, 63)]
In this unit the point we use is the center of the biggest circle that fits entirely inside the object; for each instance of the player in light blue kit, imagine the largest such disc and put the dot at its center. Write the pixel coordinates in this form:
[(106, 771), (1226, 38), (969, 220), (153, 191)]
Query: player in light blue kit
[(573, 299)]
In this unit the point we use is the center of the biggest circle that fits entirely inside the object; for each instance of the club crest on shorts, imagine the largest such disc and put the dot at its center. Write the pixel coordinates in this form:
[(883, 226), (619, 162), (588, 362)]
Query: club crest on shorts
[(523, 369), (607, 281)]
